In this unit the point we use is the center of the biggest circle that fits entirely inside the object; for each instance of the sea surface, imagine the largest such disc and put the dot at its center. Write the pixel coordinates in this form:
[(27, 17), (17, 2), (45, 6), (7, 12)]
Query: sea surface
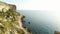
[(41, 22)]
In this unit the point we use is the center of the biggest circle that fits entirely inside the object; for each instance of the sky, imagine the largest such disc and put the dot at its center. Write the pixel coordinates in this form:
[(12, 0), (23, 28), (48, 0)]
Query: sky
[(49, 5)]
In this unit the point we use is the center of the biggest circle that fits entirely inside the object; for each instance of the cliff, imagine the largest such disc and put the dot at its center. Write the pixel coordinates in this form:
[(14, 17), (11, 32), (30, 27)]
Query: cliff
[(5, 6), (10, 20), (56, 32)]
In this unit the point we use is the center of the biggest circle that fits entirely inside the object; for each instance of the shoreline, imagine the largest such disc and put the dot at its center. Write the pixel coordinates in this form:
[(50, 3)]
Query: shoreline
[(27, 31)]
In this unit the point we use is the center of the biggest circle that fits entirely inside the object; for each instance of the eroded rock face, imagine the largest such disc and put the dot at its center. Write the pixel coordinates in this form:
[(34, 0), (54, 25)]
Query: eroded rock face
[(5, 6), (10, 20), (56, 32)]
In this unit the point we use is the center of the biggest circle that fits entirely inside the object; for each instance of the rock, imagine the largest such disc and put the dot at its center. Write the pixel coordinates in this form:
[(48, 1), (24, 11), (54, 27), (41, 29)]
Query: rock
[(56, 32), (11, 20), (4, 6), (29, 22), (1, 25)]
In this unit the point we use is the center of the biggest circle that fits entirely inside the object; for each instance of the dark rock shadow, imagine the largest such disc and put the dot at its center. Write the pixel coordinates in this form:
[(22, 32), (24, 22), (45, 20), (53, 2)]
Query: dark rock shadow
[(56, 32)]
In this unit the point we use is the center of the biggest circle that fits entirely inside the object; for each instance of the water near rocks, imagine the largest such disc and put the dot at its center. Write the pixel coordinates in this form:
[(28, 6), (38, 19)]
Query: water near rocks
[(42, 22)]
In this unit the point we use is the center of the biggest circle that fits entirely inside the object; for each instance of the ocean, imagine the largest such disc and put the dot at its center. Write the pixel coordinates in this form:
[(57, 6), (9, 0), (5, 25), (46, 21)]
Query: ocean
[(41, 22)]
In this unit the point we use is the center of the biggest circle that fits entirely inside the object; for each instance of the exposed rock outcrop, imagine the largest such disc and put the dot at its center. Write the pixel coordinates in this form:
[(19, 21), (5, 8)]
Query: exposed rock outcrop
[(5, 6), (56, 32), (10, 20)]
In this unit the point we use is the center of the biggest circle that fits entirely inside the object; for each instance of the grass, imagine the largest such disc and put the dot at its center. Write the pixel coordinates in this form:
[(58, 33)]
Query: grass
[(8, 23)]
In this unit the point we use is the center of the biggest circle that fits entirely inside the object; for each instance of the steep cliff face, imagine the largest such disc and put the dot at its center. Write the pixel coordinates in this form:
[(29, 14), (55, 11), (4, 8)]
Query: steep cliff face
[(5, 6), (10, 20), (56, 32)]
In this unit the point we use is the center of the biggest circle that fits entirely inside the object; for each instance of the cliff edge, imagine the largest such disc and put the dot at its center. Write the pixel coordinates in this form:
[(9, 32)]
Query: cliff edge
[(10, 20)]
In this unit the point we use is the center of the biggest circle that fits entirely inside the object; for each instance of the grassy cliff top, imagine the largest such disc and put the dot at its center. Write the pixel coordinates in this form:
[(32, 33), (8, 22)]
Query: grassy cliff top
[(9, 21)]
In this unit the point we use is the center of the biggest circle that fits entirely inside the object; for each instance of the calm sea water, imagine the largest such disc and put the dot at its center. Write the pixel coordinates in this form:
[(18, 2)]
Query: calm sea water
[(41, 22)]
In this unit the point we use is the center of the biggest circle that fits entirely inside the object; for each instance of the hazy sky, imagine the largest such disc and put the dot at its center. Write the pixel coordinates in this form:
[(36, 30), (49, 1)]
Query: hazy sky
[(51, 5)]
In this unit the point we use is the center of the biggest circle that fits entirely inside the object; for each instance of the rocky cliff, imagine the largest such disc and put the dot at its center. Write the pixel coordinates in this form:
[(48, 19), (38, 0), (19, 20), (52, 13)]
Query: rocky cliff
[(10, 20), (5, 6), (56, 32)]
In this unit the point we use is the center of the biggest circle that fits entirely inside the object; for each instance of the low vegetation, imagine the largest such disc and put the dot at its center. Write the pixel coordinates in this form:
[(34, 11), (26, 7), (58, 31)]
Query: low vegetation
[(8, 22)]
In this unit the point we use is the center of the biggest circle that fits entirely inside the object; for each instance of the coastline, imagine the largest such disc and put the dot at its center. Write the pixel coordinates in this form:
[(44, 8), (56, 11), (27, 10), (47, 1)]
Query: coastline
[(11, 20), (24, 28)]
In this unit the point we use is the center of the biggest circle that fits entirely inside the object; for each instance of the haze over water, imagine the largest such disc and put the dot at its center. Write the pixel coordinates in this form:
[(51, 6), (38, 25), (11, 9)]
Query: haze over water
[(42, 22)]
